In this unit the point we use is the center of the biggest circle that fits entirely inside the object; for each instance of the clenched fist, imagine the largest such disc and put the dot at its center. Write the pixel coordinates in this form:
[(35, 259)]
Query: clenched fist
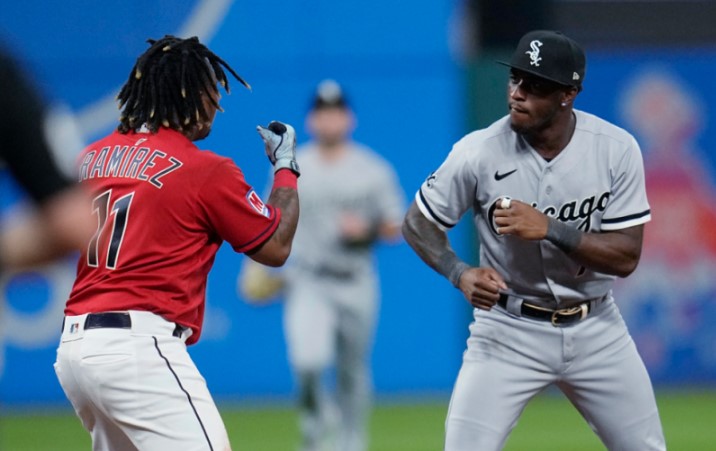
[(280, 142)]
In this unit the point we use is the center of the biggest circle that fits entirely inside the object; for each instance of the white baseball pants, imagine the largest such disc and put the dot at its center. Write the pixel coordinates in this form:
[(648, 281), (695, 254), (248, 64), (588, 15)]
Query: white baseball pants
[(137, 389), (594, 362)]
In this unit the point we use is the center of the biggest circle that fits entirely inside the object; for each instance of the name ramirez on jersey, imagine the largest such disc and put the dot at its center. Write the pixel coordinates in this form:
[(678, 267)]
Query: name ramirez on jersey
[(129, 162)]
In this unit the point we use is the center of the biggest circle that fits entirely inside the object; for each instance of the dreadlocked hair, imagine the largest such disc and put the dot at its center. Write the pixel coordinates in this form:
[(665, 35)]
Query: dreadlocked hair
[(166, 84)]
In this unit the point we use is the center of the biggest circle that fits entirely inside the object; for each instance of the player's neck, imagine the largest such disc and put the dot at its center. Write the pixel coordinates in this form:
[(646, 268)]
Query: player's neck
[(552, 140), (332, 151)]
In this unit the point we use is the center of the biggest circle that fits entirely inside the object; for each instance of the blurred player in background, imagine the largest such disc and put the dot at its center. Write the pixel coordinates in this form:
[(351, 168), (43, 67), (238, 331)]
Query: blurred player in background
[(350, 199), (559, 201), (162, 209), (61, 222)]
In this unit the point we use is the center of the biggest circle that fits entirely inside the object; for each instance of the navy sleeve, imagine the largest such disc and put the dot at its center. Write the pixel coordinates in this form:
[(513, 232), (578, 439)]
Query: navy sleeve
[(23, 144)]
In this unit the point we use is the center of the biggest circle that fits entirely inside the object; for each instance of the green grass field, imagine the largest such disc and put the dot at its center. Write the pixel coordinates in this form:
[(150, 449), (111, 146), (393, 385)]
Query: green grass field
[(549, 423)]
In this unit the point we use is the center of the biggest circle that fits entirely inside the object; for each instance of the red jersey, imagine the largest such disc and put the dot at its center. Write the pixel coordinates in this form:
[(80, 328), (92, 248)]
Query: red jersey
[(163, 208)]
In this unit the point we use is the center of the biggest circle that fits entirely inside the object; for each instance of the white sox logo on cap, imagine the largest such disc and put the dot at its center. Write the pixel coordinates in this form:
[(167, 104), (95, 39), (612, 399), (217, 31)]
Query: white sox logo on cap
[(534, 53), (564, 62)]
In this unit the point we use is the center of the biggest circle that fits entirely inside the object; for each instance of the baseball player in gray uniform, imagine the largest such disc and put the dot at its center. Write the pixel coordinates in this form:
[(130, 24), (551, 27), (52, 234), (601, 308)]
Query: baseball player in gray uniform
[(559, 202), (350, 199)]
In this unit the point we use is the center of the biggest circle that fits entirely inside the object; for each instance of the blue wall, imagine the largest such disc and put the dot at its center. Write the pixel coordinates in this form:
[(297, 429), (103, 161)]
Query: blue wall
[(406, 91), (408, 94), (663, 97)]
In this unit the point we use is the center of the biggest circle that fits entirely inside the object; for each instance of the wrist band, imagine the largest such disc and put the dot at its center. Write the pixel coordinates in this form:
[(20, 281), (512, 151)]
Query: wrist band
[(452, 268), (456, 273), (287, 163), (285, 178), (563, 236)]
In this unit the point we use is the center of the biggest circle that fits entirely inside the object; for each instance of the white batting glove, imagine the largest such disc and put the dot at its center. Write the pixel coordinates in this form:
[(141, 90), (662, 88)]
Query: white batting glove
[(280, 143)]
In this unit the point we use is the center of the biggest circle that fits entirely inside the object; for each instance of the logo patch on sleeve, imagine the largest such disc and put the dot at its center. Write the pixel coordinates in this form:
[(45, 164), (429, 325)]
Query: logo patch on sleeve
[(256, 203)]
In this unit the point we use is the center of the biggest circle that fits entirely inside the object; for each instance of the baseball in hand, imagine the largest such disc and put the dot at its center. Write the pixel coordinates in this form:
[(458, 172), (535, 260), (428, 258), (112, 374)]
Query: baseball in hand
[(277, 127)]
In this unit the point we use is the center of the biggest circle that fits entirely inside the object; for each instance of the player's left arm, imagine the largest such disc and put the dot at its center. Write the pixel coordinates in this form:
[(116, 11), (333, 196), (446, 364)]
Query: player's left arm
[(615, 252), (388, 202), (359, 232), (613, 249)]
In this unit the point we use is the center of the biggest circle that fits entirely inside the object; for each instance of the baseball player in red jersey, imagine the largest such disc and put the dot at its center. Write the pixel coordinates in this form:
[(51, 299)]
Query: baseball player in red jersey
[(163, 208)]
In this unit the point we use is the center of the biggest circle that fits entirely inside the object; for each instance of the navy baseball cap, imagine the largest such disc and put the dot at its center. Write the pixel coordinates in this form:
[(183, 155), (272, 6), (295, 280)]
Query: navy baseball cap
[(329, 94), (550, 55)]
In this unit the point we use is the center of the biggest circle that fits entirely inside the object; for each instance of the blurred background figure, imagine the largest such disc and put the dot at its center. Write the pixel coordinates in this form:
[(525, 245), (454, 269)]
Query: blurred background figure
[(350, 200), (60, 224), (57, 222), (418, 78)]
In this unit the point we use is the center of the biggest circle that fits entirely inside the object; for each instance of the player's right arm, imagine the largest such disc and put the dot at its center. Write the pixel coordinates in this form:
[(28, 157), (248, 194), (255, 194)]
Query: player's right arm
[(439, 204), (480, 286), (280, 144)]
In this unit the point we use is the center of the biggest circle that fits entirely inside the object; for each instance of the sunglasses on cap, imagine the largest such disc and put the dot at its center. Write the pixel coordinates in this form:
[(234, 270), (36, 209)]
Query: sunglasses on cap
[(534, 85)]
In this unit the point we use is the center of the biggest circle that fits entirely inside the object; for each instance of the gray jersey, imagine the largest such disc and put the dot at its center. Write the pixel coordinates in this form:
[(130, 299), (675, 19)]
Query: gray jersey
[(332, 294), (595, 184), (360, 183)]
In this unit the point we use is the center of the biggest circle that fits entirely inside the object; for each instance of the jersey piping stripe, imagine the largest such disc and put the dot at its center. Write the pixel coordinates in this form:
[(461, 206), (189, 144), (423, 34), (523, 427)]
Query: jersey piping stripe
[(432, 213), (626, 218), (263, 236), (188, 396)]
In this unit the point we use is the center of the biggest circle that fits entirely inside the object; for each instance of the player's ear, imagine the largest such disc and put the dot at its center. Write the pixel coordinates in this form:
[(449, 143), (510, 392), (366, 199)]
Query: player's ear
[(568, 96), (574, 91), (310, 122)]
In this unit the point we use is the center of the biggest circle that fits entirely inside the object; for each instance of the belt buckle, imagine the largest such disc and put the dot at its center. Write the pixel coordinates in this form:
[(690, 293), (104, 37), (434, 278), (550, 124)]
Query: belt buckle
[(580, 310)]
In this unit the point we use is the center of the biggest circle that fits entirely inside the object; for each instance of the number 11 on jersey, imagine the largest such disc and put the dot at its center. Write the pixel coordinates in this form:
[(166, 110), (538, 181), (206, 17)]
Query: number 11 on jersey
[(120, 211)]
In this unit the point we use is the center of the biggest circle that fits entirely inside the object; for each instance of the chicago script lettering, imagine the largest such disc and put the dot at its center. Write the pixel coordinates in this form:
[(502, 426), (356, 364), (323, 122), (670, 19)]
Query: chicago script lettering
[(580, 211)]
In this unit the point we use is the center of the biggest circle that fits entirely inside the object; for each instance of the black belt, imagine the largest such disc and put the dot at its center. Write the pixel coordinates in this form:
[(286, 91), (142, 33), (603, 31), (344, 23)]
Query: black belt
[(333, 273), (327, 271), (558, 317), (116, 320)]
